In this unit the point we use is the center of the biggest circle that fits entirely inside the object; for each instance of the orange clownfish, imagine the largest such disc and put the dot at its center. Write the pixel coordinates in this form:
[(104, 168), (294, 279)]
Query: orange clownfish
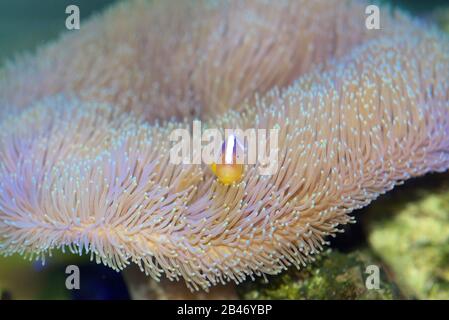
[(229, 170)]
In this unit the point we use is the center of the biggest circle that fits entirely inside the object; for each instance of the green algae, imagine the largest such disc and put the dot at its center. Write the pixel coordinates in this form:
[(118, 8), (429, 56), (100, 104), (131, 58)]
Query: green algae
[(413, 240), (22, 279), (442, 18), (334, 275)]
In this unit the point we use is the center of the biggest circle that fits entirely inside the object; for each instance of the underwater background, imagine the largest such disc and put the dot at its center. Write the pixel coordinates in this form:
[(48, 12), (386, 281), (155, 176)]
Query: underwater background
[(414, 239)]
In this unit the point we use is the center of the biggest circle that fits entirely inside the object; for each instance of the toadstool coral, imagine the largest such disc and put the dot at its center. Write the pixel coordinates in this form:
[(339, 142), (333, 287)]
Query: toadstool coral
[(176, 58), (84, 147)]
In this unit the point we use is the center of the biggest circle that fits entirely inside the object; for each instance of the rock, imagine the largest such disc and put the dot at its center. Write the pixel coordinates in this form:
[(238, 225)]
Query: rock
[(334, 275), (409, 230)]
